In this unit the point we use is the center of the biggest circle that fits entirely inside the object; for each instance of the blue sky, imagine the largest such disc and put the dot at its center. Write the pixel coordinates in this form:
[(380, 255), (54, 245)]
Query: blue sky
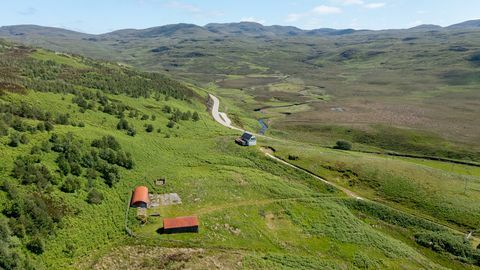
[(100, 16)]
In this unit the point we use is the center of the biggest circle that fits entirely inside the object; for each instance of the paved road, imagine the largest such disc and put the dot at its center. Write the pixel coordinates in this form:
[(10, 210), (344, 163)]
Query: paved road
[(223, 119)]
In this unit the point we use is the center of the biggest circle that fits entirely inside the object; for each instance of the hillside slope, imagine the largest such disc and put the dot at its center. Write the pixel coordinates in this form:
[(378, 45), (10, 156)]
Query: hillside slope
[(411, 91), (77, 135)]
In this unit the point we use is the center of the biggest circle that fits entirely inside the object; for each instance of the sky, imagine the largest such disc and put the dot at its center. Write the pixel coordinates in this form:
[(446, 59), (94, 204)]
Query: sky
[(101, 16)]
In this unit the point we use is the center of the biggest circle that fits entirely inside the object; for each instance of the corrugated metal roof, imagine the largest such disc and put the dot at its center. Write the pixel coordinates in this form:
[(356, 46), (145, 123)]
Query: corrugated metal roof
[(179, 222), (140, 194)]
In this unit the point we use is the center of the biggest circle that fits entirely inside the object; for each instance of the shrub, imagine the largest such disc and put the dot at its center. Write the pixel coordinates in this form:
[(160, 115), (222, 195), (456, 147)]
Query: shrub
[(122, 124), (195, 117), (48, 126), (71, 184), (24, 139), (149, 128), (292, 157), (36, 245), (14, 139), (445, 242), (131, 131), (145, 117), (94, 197), (3, 128), (343, 145), (170, 124), (167, 109), (106, 142)]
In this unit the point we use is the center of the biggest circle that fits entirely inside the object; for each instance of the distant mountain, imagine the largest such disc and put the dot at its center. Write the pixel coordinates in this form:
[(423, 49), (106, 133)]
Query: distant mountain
[(35, 30), (426, 27), (466, 25), (181, 29)]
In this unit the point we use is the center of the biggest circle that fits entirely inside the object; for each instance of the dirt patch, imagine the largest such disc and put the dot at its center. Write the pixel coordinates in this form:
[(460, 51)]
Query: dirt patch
[(147, 257), (270, 220), (268, 149)]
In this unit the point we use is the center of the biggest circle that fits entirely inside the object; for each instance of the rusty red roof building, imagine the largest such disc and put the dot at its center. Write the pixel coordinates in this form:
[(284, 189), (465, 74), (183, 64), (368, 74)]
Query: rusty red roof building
[(140, 197), (180, 224)]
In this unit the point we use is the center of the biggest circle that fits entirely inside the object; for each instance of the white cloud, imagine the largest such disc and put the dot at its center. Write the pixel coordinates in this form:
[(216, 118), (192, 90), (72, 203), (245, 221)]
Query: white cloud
[(253, 19), (374, 5), (326, 10)]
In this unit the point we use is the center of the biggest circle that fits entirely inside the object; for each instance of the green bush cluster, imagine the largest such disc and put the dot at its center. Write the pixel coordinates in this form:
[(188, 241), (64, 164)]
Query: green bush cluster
[(449, 243)]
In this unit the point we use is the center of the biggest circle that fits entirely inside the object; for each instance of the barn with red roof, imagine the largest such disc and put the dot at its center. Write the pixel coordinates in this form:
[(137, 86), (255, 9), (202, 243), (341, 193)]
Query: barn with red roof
[(140, 197), (180, 224)]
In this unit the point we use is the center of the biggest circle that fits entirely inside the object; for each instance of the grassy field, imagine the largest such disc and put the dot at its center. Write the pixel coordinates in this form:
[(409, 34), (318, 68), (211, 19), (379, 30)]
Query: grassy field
[(254, 212)]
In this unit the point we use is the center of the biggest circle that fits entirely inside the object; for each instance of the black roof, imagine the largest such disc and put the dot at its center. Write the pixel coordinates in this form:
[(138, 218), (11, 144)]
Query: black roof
[(247, 136)]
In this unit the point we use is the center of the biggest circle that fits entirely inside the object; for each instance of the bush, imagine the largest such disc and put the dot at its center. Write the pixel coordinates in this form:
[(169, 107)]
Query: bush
[(14, 139), (3, 128), (106, 142), (49, 126), (36, 245), (149, 128), (94, 197), (292, 157), (71, 184), (170, 124), (24, 139), (195, 117), (447, 242), (131, 131), (343, 145), (145, 117), (123, 124)]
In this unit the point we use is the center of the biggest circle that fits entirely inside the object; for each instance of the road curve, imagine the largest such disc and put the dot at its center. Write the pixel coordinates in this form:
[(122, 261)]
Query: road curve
[(221, 117)]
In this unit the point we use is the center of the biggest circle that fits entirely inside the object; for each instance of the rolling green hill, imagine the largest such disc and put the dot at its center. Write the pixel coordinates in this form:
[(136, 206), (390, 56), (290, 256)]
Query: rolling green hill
[(418, 85), (77, 135)]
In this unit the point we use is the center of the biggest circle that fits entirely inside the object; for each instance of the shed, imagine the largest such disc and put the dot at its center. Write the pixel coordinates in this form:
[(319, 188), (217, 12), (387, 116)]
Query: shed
[(180, 225), (247, 139), (140, 197)]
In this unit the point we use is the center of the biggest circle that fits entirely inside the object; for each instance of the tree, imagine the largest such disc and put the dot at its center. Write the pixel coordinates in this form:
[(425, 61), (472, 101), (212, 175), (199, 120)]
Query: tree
[(123, 124), (131, 131), (195, 117), (36, 245), (3, 128), (149, 128), (71, 184), (14, 139), (343, 145), (167, 109), (170, 124), (94, 197), (48, 126)]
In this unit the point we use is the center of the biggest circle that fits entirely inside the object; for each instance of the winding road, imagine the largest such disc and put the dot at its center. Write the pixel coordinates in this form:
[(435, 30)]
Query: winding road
[(223, 119)]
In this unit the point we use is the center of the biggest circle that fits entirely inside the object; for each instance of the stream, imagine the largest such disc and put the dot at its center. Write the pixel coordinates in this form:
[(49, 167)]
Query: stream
[(264, 126)]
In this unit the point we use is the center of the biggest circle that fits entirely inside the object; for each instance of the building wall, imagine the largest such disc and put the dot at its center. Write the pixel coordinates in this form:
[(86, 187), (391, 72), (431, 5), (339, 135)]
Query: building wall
[(193, 229)]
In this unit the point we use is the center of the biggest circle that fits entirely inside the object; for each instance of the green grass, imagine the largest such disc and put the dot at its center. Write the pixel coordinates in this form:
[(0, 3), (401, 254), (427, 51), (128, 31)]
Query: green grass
[(431, 188), (252, 210)]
